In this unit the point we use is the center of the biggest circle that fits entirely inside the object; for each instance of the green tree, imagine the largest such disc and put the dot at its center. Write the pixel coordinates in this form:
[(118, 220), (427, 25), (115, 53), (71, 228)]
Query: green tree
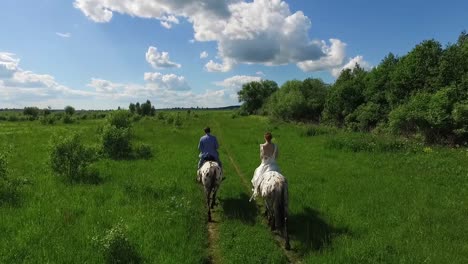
[(31, 111), (254, 94), (132, 108), (69, 110)]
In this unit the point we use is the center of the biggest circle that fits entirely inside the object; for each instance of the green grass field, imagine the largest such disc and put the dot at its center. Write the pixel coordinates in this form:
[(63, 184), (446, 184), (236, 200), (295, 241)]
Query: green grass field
[(395, 206)]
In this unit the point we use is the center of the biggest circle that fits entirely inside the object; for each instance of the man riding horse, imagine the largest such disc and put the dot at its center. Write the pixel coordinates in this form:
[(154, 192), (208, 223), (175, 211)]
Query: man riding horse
[(208, 147)]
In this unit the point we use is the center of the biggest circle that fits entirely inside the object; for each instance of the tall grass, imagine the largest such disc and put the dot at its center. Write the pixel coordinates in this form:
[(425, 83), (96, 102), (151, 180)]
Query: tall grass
[(352, 199)]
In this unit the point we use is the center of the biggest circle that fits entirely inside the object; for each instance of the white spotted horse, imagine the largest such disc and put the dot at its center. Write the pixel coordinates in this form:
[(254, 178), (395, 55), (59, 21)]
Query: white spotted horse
[(210, 175)]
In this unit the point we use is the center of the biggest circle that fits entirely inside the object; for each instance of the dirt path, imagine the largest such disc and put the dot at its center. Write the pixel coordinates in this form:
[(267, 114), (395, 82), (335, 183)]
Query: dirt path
[(213, 239), (290, 255)]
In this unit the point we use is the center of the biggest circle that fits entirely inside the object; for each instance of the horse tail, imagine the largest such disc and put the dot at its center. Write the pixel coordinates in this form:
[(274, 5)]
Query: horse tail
[(211, 177)]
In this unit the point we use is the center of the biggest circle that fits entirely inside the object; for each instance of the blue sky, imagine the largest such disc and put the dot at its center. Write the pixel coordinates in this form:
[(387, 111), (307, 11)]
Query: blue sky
[(96, 54)]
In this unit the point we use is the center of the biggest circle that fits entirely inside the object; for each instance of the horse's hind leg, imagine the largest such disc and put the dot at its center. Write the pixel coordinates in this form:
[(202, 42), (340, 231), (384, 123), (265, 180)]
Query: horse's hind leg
[(213, 199), (208, 205), (287, 246)]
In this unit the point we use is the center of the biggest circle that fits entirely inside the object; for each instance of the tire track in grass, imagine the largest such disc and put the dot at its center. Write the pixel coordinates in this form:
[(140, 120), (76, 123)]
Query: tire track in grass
[(290, 255)]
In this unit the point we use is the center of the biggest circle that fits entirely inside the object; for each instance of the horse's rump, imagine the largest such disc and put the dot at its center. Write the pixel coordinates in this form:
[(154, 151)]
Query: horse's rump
[(210, 174)]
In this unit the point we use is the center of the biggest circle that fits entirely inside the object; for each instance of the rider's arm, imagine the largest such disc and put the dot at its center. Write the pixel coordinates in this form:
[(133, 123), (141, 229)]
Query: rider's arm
[(200, 145)]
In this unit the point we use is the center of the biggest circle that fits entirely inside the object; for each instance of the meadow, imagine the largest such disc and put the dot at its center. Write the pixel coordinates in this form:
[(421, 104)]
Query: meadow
[(354, 198)]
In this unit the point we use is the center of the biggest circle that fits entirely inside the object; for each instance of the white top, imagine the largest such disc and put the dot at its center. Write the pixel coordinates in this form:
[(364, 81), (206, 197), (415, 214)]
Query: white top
[(268, 164)]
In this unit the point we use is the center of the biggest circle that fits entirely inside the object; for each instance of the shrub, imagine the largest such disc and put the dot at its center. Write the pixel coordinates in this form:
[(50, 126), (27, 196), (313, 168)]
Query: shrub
[(47, 120), (13, 118), (160, 116), (143, 151), (3, 166), (32, 112), (119, 119), (69, 158), (116, 246), (314, 130), (170, 119), (177, 121), (116, 141), (136, 118), (68, 119), (369, 143), (69, 110), (9, 189)]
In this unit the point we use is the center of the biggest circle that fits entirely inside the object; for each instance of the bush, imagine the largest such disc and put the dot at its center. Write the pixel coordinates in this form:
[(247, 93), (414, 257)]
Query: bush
[(136, 118), (160, 116), (314, 130), (143, 151), (68, 119), (116, 246), (369, 143), (13, 118), (119, 119), (32, 112), (170, 119), (47, 120), (70, 159), (3, 166), (9, 189), (177, 121), (69, 110), (116, 142)]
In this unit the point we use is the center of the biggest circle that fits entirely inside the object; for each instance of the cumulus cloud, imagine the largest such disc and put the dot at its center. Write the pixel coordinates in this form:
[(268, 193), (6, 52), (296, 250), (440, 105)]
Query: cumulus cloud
[(203, 55), (334, 57), (102, 10), (159, 59), (8, 64), (226, 66), (167, 81), (236, 82), (259, 31), (20, 88), (351, 65), (63, 35)]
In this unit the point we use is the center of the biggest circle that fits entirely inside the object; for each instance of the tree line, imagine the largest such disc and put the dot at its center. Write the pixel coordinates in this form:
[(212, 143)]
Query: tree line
[(423, 93)]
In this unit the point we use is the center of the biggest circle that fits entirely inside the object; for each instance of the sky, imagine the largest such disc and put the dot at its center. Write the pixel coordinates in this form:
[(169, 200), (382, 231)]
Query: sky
[(102, 54)]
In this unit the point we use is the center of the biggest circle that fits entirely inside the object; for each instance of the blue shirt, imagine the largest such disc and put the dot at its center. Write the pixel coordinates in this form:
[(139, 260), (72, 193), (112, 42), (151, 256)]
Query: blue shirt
[(208, 145)]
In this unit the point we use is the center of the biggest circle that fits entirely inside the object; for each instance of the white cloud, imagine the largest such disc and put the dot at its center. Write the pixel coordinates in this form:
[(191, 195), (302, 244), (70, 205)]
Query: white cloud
[(168, 21), (63, 35), (351, 65), (167, 81), (260, 73), (8, 64), (159, 59), (203, 55), (104, 86), (259, 31), (335, 55), (235, 82), (20, 88), (226, 66)]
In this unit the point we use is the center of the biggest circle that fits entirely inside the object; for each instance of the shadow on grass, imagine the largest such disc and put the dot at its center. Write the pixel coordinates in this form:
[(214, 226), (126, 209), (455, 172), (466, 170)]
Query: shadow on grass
[(312, 231), (240, 208)]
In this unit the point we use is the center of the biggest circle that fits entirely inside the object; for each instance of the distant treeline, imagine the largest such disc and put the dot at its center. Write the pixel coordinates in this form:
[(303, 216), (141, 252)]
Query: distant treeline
[(423, 93)]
